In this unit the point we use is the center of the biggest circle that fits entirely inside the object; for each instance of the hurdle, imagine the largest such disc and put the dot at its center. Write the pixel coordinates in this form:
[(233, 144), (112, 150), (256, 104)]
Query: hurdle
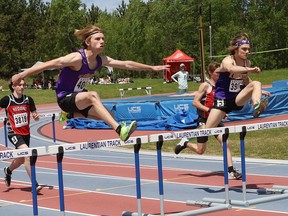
[(32, 153), (59, 150), (148, 90), (227, 203)]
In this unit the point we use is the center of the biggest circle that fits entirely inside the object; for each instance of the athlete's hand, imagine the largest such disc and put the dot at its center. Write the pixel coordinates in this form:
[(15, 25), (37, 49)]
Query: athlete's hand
[(35, 116), (16, 79), (266, 93), (256, 70)]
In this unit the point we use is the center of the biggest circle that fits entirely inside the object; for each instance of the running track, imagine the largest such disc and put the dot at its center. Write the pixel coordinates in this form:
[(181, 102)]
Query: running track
[(102, 182)]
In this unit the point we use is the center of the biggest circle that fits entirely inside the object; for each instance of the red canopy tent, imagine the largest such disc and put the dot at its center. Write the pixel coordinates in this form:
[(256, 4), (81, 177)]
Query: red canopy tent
[(175, 60)]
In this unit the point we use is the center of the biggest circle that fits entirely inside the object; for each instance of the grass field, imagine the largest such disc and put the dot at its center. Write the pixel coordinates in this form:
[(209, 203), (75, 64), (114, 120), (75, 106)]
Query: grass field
[(270, 144)]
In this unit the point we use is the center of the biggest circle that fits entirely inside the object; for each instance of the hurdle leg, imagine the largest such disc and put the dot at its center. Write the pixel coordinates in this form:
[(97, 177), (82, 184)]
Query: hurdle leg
[(33, 160), (225, 163), (137, 147), (160, 174), (53, 128), (60, 155), (226, 180), (5, 133), (243, 162)]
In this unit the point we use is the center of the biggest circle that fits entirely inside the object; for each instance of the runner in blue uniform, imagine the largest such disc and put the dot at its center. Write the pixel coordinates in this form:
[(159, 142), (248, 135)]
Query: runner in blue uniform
[(77, 70)]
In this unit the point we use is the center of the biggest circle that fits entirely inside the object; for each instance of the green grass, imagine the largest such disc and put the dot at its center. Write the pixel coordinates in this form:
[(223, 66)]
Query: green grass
[(269, 144)]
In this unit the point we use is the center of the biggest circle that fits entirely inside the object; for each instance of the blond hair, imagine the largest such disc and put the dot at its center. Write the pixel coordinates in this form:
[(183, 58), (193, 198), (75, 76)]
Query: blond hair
[(233, 46), (86, 33)]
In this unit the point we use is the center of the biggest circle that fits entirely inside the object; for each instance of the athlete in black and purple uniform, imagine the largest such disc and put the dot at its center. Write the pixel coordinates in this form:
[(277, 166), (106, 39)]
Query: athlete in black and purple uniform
[(77, 69), (203, 101)]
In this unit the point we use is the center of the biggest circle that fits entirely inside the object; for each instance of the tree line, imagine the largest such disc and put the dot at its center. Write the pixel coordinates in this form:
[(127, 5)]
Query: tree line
[(34, 30)]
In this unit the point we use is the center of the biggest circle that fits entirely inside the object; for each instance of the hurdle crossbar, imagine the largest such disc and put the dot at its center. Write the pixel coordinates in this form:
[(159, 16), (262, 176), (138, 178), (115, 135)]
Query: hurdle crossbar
[(124, 90), (173, 135), (41, 115)]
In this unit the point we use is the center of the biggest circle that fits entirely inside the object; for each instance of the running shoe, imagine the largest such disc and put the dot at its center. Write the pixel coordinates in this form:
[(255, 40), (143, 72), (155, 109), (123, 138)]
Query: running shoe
[(260, 107), (235, 174), (39, 187), (63, 117), (181, 145), (7, 177), (126, 131)]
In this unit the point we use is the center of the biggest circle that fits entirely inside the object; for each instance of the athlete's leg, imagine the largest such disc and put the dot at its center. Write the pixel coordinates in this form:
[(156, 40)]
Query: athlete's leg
[(98, 110), (214, 118), (252, 91)]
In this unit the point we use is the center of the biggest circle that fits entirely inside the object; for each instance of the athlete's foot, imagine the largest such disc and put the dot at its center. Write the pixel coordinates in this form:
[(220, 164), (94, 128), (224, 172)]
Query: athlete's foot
[(181, 145), (260, 107), (126, 131), (7, 177), (63, 117)]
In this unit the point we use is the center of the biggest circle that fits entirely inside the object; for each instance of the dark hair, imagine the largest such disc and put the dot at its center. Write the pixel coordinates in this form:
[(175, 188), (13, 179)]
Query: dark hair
[(10, 87)]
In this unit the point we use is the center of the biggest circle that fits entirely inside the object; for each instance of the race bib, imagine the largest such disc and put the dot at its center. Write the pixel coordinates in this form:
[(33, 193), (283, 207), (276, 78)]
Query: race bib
[(80, 85), (20, 119), (235, 85), (220, 103)]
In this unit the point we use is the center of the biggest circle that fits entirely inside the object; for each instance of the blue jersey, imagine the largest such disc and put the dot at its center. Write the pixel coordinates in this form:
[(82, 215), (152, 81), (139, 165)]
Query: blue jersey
[(70, 81)]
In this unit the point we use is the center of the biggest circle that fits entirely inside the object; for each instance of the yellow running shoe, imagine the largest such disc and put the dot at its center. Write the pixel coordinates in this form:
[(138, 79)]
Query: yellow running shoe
[(63, 117), (126, 131)]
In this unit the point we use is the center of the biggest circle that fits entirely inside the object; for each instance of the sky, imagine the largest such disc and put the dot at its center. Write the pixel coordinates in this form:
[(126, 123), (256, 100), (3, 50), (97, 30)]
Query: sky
[(110, 5)]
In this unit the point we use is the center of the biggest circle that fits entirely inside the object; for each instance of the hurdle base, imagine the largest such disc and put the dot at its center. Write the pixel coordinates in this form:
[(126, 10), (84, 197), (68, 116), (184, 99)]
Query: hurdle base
[(267, 198), (212, 208), (231, 202), (128, 213), (280, 187)]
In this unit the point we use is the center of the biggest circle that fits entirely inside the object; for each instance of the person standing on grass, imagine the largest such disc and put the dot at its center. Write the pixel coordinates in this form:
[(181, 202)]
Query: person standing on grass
[(18, 108), (203, 101), (181, 77), (77, 69)]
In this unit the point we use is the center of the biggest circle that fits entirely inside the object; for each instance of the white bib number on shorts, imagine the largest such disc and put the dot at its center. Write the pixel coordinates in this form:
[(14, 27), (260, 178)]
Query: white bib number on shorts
[(81, 84), (235, 85), (20, 119), (220, 103)]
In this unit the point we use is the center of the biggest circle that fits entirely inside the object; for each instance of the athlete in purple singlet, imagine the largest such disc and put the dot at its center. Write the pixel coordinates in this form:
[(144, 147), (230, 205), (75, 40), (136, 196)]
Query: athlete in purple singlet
[(77, 70), (234, 88)]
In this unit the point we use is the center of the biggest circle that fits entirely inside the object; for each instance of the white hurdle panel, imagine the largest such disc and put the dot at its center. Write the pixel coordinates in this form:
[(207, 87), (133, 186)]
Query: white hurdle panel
[(17, 153), (124, 90), (173, 135), (80, 146), (41, 115)]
